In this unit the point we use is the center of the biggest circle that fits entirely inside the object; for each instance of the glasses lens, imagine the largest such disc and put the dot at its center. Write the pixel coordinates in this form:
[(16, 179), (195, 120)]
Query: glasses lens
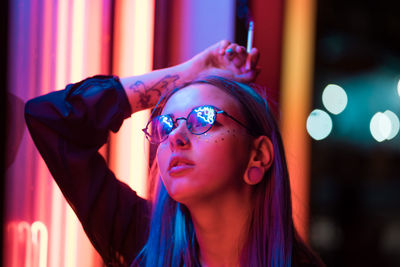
[(201, 119), (160, 127)]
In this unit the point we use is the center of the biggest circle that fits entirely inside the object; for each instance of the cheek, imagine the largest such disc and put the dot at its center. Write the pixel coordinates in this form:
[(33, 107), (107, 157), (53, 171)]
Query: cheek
[(221, 148), (162, 157), (225, 149), (226, 135)]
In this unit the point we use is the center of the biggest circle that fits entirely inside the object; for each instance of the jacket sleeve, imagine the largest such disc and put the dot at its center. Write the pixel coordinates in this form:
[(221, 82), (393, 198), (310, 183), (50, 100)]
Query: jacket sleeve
[(68, 127)]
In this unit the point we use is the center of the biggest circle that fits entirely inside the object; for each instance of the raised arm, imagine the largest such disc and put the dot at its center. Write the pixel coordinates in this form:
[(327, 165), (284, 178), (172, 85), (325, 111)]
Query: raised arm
[(223, 59), (68, 127)]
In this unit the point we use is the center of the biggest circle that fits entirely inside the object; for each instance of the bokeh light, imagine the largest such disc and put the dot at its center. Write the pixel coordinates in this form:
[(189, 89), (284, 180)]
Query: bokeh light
[(395, 124), (380, 126), (319, 124), (398, 87), (334, 98)]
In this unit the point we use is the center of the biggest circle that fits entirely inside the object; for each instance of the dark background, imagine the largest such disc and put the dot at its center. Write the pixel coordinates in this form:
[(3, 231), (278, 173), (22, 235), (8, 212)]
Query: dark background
[(355, 181)]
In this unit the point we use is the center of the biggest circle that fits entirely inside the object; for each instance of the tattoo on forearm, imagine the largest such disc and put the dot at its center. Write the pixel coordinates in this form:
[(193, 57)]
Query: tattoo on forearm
[(149, 96)]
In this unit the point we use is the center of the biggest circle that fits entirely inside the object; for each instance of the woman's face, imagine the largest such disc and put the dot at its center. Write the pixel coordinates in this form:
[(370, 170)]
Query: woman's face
[(200, 167)]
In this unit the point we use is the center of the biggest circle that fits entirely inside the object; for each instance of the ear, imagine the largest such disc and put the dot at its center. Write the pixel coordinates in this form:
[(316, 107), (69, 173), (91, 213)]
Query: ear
[(260, 160)]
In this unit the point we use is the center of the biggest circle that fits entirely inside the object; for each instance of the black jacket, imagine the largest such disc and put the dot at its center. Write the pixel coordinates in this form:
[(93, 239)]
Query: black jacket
[(68, 127)]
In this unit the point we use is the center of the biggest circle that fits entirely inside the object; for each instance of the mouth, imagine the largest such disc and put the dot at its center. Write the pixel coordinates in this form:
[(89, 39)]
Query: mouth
[(179, 165)]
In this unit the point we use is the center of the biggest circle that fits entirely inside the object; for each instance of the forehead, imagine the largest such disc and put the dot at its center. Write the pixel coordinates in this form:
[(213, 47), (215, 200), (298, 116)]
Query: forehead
[(184, 100)]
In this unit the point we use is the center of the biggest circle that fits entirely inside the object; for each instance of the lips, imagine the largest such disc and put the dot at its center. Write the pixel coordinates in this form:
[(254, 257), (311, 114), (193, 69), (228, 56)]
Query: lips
[(177, 165)]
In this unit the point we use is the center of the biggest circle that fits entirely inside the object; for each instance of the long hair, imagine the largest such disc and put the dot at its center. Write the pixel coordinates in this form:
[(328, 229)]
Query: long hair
[(271, 234)]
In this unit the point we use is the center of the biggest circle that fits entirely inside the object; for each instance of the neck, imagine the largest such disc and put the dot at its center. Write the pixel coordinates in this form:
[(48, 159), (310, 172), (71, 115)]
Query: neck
[(221, 226)]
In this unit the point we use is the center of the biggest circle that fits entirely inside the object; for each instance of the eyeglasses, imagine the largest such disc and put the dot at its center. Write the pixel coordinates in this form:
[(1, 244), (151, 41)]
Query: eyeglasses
[(199, 121)]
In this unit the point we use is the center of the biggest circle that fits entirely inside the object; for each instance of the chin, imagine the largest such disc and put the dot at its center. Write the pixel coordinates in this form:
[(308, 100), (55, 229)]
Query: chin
[(180, 194), (183, 193)]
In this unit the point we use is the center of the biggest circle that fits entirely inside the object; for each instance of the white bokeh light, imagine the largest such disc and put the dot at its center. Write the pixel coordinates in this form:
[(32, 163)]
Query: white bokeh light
[(380, 126), (395, 124), (334, 98), (319, 124)]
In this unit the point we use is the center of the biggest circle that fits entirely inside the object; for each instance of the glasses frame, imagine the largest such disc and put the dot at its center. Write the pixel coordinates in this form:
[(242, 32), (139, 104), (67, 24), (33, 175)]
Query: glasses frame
[(174, 121)]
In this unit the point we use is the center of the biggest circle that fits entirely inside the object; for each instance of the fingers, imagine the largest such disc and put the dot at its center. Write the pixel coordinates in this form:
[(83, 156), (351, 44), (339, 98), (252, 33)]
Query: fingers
[(252, 59), (234, 49), (235, 54), (223, 45), (233, 61), (248, 76), (251, 70), (245, 64), (230, 49)]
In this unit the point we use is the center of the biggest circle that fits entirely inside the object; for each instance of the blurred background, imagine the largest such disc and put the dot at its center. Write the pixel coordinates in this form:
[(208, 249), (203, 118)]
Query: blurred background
[(331, 70)]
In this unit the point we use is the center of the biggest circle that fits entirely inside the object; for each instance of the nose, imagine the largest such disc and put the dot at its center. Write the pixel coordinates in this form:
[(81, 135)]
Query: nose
[(178, 138)]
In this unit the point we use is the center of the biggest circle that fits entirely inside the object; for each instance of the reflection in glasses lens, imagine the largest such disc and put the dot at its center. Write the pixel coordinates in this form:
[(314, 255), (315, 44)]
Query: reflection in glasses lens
[(199, 121)]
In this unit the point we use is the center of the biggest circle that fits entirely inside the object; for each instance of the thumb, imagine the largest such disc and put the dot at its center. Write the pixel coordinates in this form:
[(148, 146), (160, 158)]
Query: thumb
[(248, 76)]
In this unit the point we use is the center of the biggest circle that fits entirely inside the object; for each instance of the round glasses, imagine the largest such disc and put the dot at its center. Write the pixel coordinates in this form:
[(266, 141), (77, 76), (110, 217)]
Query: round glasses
[(199, 121)]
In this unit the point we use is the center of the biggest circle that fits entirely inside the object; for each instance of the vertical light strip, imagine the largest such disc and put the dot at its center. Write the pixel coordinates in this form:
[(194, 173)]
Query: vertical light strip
[(62, 33), (48, 27), (133, 56), (44, 75), (24, 237), (56, 236), (58, 206), (92, 35), (78, 25), (40, 242), (143, 23), (43, 177), (297, 71), (119, 154), (90, 47), (10, 252), (76, 71)]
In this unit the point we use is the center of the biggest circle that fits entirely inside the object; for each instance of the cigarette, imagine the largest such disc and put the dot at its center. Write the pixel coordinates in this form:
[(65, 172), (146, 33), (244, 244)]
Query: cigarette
[(250, 37)]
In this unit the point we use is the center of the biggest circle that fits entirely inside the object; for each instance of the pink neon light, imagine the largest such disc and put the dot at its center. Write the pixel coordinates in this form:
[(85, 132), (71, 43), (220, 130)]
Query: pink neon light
[(133, 47), (28, 244)]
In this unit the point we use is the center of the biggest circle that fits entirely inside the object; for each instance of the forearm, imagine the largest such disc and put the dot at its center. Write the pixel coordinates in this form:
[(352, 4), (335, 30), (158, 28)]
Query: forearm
[(144, 91)]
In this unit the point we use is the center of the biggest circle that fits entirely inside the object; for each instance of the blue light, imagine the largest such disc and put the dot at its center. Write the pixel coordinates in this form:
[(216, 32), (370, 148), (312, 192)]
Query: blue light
[(319, 124), (166, 121), (380, 126), (207, 114), (334, 98)]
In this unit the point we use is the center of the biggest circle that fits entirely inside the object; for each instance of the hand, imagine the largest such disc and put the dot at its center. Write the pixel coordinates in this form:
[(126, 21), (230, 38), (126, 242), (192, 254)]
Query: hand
[(228, 60)]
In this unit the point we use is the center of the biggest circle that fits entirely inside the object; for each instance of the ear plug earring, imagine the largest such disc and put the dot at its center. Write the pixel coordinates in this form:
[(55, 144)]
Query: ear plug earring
[(255, 174)]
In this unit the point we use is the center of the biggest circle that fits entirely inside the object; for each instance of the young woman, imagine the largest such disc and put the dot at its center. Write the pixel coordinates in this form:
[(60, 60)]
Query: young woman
[(222, 194)]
